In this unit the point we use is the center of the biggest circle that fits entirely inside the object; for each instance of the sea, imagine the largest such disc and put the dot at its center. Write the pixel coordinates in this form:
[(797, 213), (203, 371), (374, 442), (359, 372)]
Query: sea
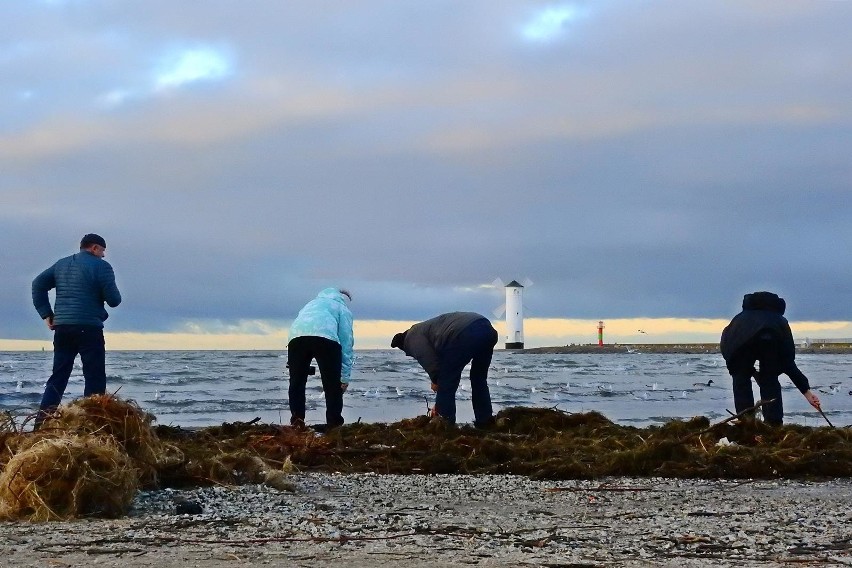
[(206, 388)]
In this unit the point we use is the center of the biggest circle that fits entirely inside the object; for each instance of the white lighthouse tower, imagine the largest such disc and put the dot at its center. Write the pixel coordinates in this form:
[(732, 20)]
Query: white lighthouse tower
[(514, 315)]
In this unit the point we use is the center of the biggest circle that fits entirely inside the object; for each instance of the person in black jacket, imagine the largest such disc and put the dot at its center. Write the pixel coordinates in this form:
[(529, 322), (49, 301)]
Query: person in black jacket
[(443, 346), (760, 332)]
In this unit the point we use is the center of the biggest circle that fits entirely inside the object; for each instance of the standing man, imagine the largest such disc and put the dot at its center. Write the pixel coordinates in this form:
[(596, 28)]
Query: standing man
[(83, 282), (760, 332), (443, 346), (321, 331)]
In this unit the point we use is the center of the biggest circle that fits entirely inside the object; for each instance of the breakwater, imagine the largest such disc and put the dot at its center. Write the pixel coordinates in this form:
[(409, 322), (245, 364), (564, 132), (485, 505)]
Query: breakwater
[(674, 348)]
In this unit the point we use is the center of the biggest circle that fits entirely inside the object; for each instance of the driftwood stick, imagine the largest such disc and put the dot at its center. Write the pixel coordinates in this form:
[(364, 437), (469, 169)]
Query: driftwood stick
[(602, 487), (726, 420), (737, 415), (824, 416)]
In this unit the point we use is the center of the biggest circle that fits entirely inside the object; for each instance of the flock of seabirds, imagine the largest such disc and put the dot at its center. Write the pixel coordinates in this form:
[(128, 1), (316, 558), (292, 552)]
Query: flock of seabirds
[(443, 345)]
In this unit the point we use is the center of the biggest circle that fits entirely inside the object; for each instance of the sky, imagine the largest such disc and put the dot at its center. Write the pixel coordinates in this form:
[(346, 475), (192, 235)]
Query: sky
[(640, 162)]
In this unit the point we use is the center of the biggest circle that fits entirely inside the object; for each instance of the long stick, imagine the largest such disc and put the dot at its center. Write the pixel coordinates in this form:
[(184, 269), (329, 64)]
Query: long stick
[(824, 416), (726, 420)]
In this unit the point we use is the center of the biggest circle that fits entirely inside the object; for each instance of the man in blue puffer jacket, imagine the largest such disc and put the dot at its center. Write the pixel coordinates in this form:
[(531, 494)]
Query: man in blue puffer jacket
[(321, 331), (83, 282)]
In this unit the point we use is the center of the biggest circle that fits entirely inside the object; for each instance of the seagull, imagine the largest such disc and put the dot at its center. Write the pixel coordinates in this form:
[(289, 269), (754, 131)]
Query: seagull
[(19, 386)]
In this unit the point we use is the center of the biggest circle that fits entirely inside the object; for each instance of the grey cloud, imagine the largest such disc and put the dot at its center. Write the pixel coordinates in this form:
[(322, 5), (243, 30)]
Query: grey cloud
[(657, 159)]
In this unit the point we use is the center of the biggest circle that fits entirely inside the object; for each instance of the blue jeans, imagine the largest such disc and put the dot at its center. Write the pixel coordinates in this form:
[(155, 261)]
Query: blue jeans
[(68, 342), (474, 345)]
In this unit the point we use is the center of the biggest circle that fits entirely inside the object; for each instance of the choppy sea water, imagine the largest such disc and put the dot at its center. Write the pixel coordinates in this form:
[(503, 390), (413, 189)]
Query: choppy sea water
[(203, 388)]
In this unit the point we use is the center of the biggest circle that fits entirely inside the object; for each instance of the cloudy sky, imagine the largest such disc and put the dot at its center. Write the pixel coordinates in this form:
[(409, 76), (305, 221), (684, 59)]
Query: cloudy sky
[(644, 162)]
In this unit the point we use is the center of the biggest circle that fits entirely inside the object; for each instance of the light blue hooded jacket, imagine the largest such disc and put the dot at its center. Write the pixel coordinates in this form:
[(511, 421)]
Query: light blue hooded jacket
[(328, 316)]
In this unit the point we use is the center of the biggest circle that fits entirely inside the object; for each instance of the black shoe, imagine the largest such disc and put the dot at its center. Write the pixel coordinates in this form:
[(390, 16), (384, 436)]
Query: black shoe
[(485, 424)]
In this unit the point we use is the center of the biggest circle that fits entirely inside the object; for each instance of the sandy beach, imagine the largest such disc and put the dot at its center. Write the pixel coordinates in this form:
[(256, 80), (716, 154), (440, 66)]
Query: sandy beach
[(450, 520)]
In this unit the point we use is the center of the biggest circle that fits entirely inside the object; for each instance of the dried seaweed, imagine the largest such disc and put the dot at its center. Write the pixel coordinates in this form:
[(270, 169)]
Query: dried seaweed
[(68, 477), (123, 420), (540, 443), (535, 442)]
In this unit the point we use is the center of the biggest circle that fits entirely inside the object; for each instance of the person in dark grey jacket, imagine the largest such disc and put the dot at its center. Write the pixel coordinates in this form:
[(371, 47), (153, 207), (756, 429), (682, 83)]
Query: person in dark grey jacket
[(760, 332), (443, 346), (83, 282)]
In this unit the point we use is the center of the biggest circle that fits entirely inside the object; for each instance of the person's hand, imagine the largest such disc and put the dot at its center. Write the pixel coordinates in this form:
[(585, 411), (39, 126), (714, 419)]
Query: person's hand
[(49, 321), (344, 386), (812, 399), (434, 387)]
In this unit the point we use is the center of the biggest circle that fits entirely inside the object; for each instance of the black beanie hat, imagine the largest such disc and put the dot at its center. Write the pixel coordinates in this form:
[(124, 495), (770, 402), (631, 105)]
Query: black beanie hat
[(92, 239), (765, 301), (398, 339)]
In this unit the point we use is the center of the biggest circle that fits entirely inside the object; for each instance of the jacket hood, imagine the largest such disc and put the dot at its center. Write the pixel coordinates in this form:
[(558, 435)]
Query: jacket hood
[(332, 294), (764, 301)]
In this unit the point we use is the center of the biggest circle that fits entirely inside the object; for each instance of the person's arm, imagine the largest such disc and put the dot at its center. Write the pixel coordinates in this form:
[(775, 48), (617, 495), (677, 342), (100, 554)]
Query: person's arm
[(801, 381), (347, 346), (109, 290), (42, 284), (417, 344)]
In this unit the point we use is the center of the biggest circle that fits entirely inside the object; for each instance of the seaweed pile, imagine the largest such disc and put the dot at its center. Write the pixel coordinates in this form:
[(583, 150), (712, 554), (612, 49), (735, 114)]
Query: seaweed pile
[(550, 444), (41, 470), (535, 442), (88, 459)]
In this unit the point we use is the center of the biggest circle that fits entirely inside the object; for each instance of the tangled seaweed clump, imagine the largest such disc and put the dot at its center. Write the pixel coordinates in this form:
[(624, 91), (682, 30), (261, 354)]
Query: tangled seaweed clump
[(123, 420), (68, 477)]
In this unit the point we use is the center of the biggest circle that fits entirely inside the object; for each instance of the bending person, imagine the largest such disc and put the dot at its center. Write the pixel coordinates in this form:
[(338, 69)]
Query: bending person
[(443, 346), (760, 332), (321, 331)]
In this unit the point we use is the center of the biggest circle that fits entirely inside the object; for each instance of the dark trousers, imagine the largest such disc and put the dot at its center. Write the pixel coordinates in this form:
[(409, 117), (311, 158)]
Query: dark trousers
[(329, 355), (765, 349), (474, 345), (68, 342)]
